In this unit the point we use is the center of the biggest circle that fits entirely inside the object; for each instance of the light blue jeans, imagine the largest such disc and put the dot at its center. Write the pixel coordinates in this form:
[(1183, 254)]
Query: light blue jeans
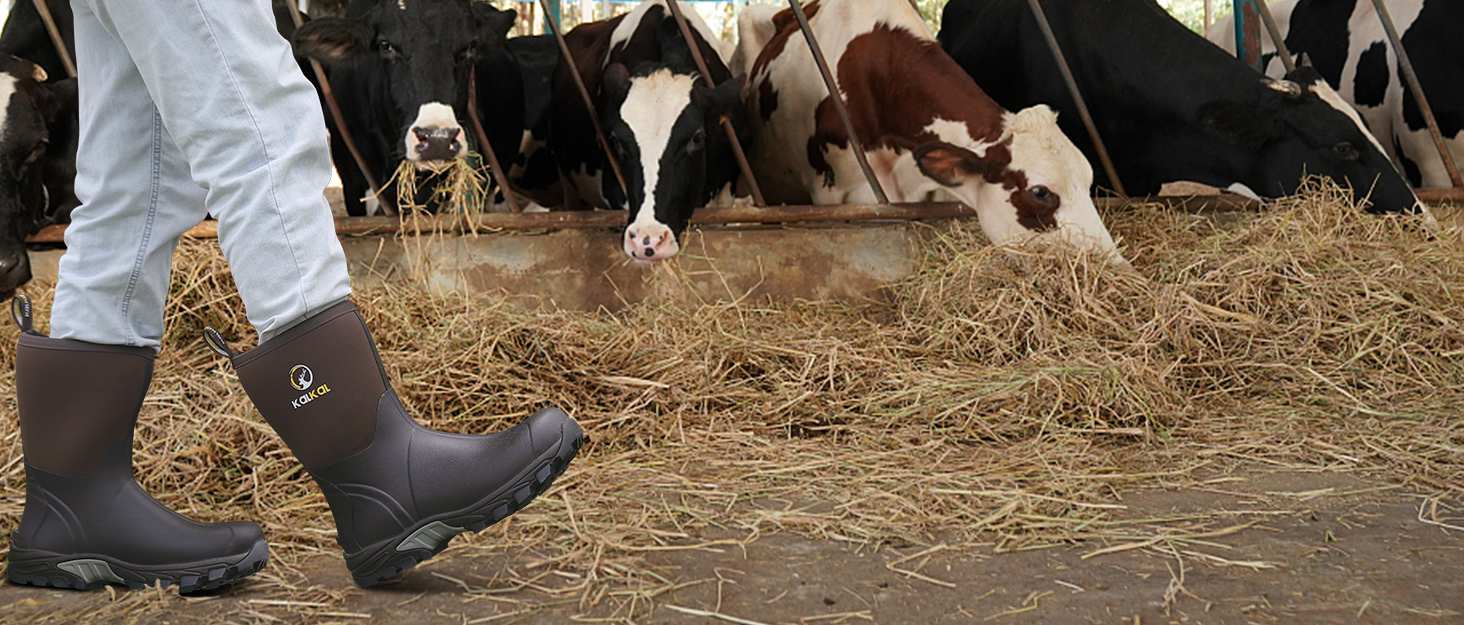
[(191, 107)]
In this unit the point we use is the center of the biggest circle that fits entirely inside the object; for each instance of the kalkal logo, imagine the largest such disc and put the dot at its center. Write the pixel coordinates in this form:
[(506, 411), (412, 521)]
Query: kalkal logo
[(302, 378)]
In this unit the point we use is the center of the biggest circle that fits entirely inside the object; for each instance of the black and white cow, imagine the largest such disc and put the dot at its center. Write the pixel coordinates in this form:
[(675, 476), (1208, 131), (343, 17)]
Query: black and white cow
[(1169, 105), (401, 70), (1345, 41), (38, 134), (663, 120)]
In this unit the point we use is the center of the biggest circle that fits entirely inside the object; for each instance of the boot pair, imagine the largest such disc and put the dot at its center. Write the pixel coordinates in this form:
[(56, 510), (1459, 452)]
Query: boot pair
[(398, 491)]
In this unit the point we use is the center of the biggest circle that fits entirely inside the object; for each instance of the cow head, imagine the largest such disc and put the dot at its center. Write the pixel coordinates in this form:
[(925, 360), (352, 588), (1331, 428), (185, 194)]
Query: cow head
[(664, 126), (1032, 184), (425, 50), (1303, 127), (30, 111)]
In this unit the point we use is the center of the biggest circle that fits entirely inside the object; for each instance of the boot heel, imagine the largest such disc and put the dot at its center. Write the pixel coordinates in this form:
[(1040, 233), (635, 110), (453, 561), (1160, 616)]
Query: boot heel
[(30, 567)]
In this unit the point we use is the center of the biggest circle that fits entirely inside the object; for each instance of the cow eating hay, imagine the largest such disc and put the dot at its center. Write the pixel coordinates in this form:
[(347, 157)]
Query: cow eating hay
[(985, 399)]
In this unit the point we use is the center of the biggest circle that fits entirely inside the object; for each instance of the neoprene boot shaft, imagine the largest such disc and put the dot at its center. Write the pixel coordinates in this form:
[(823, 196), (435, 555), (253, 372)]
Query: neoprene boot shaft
[(86, 521), (398, 491)]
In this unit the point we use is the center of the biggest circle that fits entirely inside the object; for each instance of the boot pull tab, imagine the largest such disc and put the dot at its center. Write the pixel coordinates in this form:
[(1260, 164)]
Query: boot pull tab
[(20, 311), (216, 343)]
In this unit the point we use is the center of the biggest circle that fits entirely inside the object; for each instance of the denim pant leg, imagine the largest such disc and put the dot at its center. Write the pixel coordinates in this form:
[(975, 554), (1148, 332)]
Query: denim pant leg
[(233, 98), (136, 199)]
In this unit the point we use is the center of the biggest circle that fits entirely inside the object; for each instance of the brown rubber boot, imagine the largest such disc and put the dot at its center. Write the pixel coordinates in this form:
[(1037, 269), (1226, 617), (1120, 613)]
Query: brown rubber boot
[(87, 522), (398, 491)]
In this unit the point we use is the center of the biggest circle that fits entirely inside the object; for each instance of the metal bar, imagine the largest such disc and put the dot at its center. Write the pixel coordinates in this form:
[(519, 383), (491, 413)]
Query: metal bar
[(1269, 21), (495, 167), (701, 65), (1247, 34), (1072, 86), (771, 215), (334, 107), (552, 12), (1209, 15), (1416, 88), (837, 97), (56, 39), (584, 92)]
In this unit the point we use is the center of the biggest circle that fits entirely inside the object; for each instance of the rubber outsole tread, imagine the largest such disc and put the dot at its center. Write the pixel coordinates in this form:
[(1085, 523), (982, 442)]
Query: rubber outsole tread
[(209, 579)]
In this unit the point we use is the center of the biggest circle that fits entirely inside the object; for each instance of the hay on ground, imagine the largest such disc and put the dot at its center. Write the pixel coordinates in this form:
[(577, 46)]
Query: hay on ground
[(993, 398)]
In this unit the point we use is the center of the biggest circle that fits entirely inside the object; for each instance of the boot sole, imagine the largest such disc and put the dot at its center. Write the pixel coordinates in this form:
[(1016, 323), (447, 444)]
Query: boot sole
[(35, 567), (390, 559)]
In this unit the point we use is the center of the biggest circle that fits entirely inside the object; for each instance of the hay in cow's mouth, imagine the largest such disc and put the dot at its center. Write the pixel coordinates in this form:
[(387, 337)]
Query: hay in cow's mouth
[(991, 397), (459, 186)]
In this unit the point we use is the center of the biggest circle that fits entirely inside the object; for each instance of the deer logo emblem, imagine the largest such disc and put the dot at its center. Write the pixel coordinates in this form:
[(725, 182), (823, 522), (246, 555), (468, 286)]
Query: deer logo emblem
[(301, 377)]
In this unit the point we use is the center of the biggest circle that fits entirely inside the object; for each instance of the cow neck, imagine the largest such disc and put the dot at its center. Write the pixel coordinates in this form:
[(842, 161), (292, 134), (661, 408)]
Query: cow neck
[(898, 85)]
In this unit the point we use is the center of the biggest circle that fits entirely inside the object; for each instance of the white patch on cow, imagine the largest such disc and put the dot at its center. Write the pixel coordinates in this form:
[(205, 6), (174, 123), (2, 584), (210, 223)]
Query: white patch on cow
[(433, 115), (755, 29), (627, 27), (7, 92), (1048, 158), (1240, 189), (1325, 92), (651, 108), (956, 133)]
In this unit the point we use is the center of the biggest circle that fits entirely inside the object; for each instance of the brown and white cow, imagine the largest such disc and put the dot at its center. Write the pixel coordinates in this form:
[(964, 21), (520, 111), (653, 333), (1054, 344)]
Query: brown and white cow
[(930, 131)]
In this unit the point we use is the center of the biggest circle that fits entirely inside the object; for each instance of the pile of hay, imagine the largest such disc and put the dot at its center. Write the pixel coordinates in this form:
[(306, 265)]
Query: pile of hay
[(993, 397)]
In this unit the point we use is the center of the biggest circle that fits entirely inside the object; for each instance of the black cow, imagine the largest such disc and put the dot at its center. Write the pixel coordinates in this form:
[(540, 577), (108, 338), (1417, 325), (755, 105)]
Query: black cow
[(1346, 42), (1169, 105), (663, 121), (401, 70)]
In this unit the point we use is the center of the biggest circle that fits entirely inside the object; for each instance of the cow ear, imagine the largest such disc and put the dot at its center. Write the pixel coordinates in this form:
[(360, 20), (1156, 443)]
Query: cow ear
[(950, 165), (616, 83), (494, 21), (718, 101), (333, 39)]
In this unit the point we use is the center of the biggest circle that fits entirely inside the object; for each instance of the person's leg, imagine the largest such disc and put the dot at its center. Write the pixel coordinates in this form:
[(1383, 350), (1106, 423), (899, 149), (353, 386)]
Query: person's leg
[(232, 96), (86, 520)]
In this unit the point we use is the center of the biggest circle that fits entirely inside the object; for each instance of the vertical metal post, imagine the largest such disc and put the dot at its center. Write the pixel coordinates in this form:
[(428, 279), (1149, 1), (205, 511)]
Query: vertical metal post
[(836, 96), (1416, 88), (1209, 15), (584, 92), (701, 65), (1077, 94), (1274, 31), (551, 12), (334, 107), (1247, 33), (56, 40)]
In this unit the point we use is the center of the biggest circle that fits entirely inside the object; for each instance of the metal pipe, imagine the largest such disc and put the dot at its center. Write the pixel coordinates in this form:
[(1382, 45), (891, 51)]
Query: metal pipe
[(1274, 31), (1416, 88), (495, 167), (584, 92), (56, 39), (701, 65), (1072, 86), (836, 96), (334, 107), (1247, 34)]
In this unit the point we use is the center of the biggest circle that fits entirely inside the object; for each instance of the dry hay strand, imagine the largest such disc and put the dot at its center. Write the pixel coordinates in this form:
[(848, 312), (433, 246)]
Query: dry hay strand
[(999, 397)]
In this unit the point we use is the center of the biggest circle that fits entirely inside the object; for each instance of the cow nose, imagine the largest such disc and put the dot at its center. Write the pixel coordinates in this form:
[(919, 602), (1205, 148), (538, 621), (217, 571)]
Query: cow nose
[(650, 242), (439, 143)]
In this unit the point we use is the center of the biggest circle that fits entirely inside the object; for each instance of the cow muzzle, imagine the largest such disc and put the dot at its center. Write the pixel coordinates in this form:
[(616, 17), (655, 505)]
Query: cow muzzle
[(651, 242), (15, 271), (435, 139)]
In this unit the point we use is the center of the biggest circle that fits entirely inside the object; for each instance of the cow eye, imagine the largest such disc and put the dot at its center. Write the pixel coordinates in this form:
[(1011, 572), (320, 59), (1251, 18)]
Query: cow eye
[(696, 142), (1346, 151), (388, 50), (1042, 195)]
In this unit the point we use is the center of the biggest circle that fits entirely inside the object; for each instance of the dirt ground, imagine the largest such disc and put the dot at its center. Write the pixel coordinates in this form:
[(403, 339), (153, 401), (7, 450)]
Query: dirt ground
[(1306, 548)]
